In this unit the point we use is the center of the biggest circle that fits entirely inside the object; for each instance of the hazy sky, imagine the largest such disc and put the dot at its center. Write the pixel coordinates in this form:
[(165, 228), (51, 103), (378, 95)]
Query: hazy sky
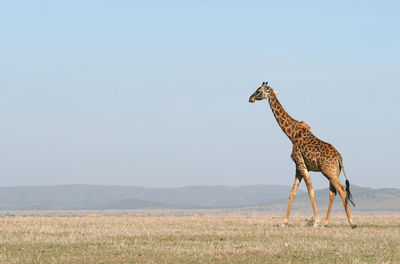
[(156, 94)]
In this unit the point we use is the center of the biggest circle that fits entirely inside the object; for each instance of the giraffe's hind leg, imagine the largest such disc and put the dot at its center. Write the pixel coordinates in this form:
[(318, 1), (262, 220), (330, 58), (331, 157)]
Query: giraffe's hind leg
[(332, 194), (342, 192), (296, 184)]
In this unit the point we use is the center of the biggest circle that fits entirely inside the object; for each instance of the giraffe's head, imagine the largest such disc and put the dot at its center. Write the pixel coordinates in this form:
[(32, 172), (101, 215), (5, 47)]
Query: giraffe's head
[(263, 92)]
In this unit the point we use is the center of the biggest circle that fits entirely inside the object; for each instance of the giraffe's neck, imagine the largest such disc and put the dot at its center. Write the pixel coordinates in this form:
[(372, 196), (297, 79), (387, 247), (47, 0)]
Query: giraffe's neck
[(289, 125)]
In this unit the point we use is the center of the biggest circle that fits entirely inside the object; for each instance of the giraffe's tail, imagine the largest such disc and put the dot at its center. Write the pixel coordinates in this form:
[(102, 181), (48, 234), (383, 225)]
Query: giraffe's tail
[(349, 197)]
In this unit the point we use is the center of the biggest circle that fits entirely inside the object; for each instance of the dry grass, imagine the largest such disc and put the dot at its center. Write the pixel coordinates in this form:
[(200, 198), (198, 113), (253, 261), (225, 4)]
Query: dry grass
[(197, 239)]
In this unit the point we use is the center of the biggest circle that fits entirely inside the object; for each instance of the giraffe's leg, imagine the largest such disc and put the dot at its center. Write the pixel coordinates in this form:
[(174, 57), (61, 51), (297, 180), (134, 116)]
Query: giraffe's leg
[(310, 190), (296, 184), (342, 192), (332, 194)]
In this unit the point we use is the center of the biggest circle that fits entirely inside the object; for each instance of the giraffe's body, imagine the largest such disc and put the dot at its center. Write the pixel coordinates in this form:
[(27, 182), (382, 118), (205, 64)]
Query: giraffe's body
[(317, 154), (309, 154)]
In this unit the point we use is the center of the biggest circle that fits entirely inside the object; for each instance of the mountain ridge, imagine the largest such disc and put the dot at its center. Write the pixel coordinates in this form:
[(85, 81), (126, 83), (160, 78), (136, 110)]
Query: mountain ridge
[(266, 198), (77, 196), (366, 199)]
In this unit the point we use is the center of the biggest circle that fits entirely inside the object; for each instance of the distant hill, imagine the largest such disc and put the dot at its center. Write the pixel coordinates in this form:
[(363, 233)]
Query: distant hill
[(267, 199), (138, 204), (367, 200), (124, 197)]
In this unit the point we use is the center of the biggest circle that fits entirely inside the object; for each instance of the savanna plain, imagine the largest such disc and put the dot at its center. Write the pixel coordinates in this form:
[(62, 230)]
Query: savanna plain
[(197, 239)]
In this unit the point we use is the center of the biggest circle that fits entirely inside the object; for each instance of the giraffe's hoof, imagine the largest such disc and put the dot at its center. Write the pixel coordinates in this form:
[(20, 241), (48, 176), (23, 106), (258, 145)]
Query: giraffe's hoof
[(326, 224), (284, 225), (353, 226), (316, 224)]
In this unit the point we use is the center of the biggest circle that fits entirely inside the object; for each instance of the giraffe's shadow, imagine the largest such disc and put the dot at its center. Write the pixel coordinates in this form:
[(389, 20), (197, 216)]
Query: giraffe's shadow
[(308, 222)]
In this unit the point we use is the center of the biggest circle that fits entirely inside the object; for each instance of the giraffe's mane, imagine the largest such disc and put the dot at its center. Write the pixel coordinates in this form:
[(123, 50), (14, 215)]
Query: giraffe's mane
[(304, 124)]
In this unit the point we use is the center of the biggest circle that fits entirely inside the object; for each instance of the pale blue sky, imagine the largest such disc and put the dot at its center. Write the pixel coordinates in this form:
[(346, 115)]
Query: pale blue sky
[(156, 94)]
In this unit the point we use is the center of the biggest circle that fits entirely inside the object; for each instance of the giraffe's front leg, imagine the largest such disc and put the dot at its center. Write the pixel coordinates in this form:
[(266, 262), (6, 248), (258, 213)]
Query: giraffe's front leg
[(301, 167), (296, 184), (310, 190)]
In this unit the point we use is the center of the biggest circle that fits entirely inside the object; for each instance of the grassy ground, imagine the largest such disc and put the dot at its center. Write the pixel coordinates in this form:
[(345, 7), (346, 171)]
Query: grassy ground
[(197, 239)]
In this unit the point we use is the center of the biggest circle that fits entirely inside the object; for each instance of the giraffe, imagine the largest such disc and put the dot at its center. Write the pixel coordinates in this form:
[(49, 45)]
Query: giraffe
[(309, 154)]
